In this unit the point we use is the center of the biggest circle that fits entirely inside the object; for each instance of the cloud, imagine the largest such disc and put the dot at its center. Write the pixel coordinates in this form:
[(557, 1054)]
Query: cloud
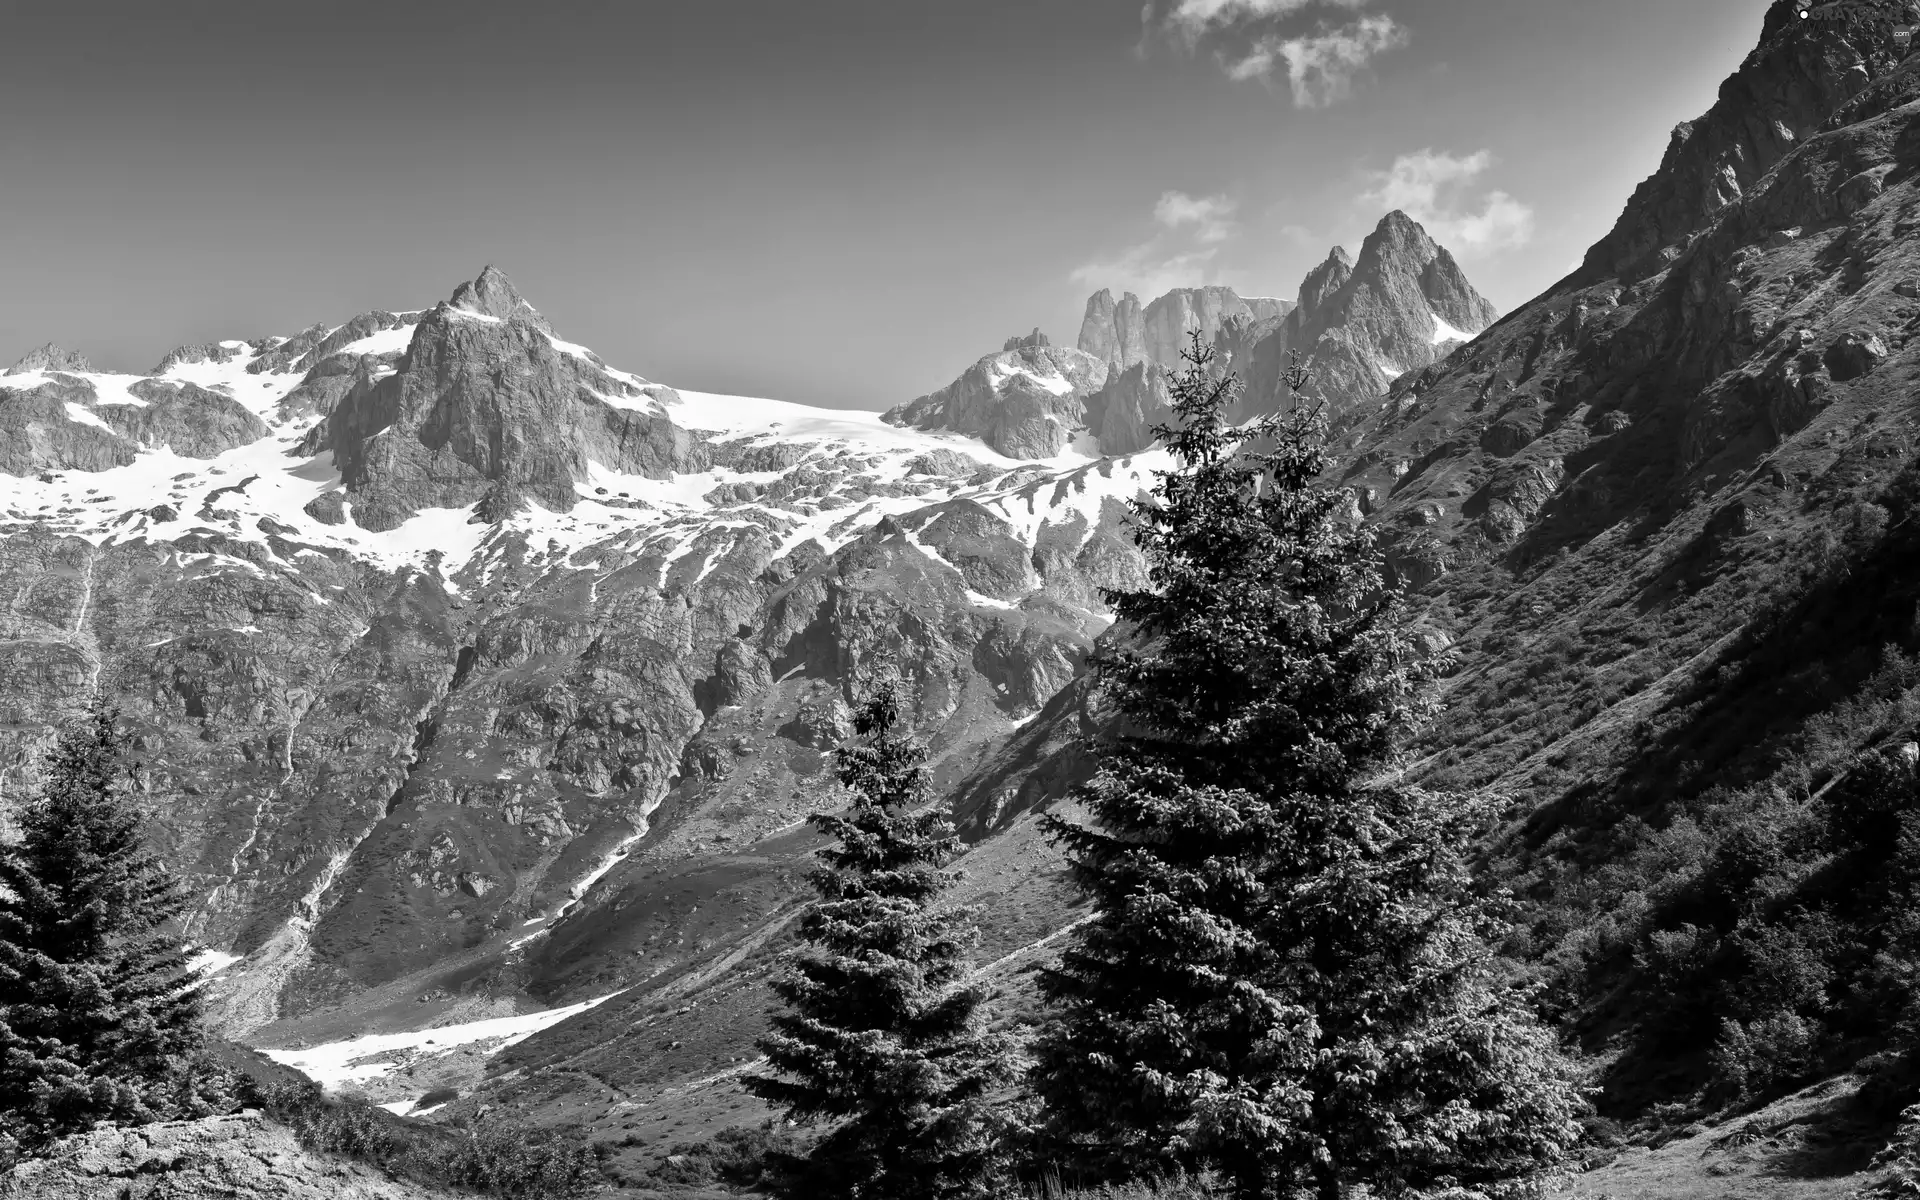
[(1320, 68), (1192, 229), (1250, 40), (1192, 20), (1211, 216), (1434, 188)]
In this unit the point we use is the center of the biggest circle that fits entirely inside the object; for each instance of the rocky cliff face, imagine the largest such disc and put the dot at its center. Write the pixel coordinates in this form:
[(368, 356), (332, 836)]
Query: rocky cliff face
[(1124, 412), (1127, 334)]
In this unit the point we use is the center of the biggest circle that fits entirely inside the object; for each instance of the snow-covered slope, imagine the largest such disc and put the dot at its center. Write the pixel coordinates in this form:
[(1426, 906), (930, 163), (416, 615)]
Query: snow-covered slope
[(260, 491)]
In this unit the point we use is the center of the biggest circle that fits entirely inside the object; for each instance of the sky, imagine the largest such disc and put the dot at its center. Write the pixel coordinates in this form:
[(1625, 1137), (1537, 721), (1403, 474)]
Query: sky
[(836, 202)]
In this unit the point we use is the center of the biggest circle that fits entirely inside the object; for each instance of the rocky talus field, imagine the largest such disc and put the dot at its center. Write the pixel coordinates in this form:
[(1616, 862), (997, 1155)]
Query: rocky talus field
[(481, 688)]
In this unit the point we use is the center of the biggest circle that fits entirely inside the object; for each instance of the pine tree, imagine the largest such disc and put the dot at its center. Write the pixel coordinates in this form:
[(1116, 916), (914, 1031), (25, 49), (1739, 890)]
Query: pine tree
[(881, 1033), (1285, 978), (97, 1019)]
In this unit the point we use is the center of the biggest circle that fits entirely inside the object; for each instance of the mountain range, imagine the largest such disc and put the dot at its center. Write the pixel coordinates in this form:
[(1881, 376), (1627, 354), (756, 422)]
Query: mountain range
[(481, 688), (1357, 326)]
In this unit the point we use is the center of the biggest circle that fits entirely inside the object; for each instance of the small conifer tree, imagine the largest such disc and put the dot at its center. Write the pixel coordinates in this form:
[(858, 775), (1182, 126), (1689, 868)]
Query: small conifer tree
[(881, 1033), (97, 1017), (1285, 978)]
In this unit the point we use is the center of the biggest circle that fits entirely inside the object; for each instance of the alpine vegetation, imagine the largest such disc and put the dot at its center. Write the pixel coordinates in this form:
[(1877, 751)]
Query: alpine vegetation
[(98, 1018), (1286, 979), (882, 1033)]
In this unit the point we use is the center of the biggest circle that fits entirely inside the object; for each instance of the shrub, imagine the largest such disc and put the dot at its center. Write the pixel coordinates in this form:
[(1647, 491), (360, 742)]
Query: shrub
[(1901, 1159), (1752, 1058), (493, 1156), (740, 1157), (505, 1158)]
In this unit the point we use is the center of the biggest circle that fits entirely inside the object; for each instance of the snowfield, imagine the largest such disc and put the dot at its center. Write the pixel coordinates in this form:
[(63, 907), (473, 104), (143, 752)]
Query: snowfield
[(377, 1055)]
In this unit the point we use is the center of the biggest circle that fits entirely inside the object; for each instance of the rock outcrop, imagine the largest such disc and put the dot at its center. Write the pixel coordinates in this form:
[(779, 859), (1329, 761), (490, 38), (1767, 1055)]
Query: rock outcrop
[(1114, 332), (244, 1155)]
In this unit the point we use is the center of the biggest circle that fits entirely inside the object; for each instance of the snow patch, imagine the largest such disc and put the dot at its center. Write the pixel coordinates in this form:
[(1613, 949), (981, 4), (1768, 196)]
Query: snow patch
[(85, 416), (387, 341), (374, 1056), (211, 962), (573, 348), (1001, 372), (1443, 332)]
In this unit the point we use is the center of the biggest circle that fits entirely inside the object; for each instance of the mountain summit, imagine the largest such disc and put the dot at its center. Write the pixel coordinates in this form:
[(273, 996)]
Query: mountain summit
[(486, 403), (1359, 324)]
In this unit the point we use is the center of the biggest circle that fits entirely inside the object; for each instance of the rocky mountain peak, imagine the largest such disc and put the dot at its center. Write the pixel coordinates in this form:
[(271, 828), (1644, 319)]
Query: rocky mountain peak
[(495, 411), (1402, 230), (492, 294), (1324, 280), (49, 358), (1361, 323), (1800, 74), (1025, 402), (1399, 257)]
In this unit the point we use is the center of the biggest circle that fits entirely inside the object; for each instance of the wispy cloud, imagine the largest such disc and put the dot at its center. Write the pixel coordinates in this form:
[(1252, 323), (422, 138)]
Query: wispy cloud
[(1251, 39), (1194, 19), (1437, 190), (1178, 254), (1320, 67), (1210, 216)]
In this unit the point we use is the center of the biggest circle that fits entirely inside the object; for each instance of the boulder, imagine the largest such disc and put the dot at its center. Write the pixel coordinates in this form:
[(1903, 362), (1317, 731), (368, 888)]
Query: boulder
[(1851, 356)]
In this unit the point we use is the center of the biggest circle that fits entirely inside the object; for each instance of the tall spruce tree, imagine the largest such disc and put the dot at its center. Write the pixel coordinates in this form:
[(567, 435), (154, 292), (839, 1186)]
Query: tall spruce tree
[(97, 1018), (881, 1034), (1285, 978)]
